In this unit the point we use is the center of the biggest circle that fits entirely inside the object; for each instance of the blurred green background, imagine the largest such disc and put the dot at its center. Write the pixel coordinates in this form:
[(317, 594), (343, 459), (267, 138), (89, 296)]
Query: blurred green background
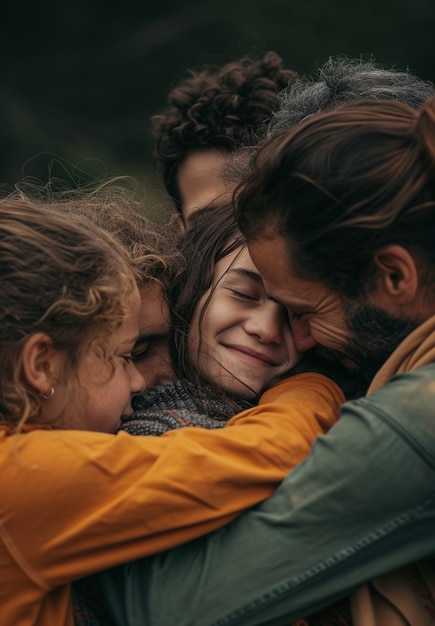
[(80, 79)]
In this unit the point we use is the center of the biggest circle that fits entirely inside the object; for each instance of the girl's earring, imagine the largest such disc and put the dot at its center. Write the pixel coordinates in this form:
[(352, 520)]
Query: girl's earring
[(49, 395)]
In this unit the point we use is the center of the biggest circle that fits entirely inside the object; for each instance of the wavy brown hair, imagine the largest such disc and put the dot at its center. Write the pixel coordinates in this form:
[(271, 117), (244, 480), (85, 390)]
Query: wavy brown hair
[(343, 184), (114, 206), (212, 236), (60, 275)]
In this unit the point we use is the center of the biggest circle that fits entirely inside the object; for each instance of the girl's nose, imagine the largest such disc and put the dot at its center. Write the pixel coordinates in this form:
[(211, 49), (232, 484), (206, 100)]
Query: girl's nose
[(266, 322)]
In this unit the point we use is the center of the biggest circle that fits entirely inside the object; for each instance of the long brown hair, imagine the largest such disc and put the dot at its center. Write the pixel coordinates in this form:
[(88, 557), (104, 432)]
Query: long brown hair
[(343, 184), (212, 236)]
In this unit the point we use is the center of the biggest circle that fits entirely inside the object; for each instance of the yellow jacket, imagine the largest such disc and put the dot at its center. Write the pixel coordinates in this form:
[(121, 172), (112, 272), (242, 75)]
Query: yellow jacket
[(75, 502)]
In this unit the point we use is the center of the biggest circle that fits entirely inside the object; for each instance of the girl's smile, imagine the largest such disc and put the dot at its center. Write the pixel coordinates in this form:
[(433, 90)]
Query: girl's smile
[(243, 339)]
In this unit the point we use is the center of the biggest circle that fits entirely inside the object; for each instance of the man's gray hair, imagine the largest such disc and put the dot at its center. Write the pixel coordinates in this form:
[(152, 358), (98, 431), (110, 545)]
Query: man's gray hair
[(342, 80)]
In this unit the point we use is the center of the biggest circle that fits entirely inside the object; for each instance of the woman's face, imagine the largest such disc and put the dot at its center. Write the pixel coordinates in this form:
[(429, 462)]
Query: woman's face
[(244, 339)]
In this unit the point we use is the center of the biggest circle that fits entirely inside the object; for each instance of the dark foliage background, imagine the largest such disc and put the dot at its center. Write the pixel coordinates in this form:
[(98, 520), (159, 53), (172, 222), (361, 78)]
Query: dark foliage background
[(80, 79)]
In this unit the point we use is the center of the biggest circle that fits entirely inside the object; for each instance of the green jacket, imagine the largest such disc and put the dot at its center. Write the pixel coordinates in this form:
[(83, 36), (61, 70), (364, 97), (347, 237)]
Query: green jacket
[(362, 504)]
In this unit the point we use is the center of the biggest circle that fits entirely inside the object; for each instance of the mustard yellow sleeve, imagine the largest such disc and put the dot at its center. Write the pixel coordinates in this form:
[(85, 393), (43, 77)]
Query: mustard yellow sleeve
[(75, 502)]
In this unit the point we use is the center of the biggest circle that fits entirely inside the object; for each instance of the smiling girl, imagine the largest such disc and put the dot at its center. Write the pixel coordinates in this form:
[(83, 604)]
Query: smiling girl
[(229, 328), (243, 339), (228, 341)]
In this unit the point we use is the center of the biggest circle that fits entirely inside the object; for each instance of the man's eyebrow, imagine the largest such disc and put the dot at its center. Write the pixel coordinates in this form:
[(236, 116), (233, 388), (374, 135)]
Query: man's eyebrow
[(246, 273)]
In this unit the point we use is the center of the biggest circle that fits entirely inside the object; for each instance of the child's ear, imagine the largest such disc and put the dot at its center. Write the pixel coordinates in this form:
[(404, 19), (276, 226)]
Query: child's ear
[(41, 363)]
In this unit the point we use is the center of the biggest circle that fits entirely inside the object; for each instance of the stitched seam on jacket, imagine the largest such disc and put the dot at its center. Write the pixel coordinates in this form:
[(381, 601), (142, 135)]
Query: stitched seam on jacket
[(338, 558)]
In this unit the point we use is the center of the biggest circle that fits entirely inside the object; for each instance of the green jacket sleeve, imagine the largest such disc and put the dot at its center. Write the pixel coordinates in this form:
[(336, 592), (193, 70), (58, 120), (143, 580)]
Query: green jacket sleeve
[(362, 504)]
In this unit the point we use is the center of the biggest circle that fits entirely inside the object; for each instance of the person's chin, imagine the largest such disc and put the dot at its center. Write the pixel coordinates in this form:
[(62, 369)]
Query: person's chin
[(243, 388)]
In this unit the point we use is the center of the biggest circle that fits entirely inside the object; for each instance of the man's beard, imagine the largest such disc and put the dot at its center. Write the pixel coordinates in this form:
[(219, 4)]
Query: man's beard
[(373, 337)]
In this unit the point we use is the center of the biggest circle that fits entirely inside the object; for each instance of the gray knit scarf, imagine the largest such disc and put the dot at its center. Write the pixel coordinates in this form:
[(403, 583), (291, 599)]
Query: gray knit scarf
[(157, 410)]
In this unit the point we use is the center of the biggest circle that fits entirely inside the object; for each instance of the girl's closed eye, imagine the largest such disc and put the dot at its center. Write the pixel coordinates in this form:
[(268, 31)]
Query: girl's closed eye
[(244, 295), (147, 347), (141, 351), (243, 287), (243, 283)]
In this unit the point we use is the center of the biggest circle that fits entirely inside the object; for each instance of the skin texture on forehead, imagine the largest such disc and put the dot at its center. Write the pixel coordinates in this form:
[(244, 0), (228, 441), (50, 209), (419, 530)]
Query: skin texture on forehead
[(361, 332), (300, 297)]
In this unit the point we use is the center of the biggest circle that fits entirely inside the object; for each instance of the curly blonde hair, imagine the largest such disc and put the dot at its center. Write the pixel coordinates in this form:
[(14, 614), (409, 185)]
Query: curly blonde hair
[(61, 275)]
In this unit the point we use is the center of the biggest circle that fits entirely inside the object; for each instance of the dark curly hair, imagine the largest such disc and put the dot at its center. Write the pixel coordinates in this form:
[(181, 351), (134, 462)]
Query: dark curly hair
[(224, 108)]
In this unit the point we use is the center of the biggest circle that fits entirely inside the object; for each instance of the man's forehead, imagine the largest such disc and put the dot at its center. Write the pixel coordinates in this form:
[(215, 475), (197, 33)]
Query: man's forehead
[(273, 261), (273, 255)]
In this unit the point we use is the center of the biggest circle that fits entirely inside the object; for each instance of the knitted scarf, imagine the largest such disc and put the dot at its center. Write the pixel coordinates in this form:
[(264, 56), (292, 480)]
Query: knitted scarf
[(178, 404), (159, 409)]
